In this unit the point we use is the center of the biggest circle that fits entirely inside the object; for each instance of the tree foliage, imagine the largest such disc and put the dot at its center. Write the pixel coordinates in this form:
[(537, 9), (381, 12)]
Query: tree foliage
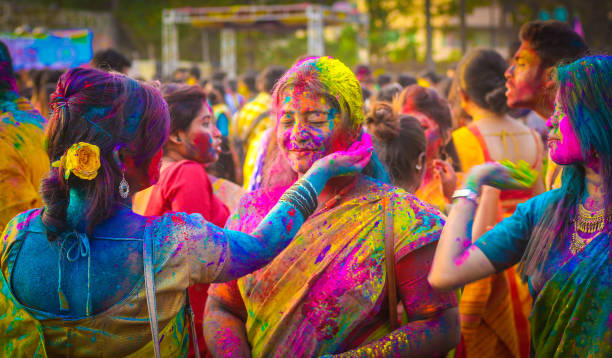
[(139, 26)]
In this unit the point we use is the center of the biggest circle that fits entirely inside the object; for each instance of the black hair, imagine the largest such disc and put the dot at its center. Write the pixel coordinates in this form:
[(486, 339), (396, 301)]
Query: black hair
[(110, 60), (184, 104), (217, 94), (250, 78), (398, 140), (232, 83), (480, 75), (553, 41), (107, 110), (383, 79), (388, 92), (431, 76), (195, 72), (270, 76), (219, 76), (406, 79), (7, 74)]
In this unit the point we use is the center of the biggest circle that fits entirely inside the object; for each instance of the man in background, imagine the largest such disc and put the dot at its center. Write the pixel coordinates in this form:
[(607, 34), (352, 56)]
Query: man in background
[(530, 79)]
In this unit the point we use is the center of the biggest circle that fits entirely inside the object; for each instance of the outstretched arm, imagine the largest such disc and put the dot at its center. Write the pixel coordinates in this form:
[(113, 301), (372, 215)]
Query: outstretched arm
[(430, 337), (457, 261), (433, 327), (247, 253)]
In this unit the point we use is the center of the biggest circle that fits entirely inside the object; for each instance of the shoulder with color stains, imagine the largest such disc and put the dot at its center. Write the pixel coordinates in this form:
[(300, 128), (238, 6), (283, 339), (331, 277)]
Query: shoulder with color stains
[(174, 225), (399, 197), (19, 224)]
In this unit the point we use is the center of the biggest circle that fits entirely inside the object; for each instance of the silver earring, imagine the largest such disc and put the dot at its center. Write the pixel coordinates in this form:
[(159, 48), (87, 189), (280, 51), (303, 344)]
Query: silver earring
[(124, 187), (418, 167)]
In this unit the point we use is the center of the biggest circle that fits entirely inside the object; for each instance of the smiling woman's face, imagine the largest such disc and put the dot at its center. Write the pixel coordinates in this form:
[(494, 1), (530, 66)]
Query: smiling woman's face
[(308, 128), (563, 142)]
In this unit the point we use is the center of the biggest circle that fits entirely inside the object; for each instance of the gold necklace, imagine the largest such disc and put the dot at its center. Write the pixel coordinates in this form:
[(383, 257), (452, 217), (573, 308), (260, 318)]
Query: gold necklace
[(587, 222)]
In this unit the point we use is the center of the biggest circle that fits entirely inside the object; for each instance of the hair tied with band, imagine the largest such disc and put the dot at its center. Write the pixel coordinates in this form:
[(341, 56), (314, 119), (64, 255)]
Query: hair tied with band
[(81, 159), (58, 103)]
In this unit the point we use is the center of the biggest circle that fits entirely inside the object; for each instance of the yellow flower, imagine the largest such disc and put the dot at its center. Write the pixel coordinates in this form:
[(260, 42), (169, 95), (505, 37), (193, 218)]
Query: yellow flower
[(82, 159)]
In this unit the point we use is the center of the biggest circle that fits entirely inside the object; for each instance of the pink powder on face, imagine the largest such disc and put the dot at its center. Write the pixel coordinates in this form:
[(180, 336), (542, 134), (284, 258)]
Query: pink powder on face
[(433, 136), (563, 142), (202, 140), (305, 136)]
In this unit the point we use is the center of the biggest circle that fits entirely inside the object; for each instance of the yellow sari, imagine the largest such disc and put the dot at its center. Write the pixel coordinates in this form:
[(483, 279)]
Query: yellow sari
[(493, 310), (326, 291)]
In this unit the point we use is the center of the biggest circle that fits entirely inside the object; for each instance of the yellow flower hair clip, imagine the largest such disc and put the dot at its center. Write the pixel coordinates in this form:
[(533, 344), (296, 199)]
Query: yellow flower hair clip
[(82, 159)]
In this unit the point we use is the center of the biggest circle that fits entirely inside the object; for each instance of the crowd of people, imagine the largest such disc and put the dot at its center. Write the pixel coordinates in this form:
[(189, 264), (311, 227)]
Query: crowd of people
[(311, 211)]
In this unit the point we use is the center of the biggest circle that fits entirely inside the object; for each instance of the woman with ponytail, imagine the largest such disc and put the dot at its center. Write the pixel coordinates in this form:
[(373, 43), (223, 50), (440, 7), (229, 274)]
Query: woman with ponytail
[(84, 275), (493, 135), (494, 310), (561, 238), (368, 247)]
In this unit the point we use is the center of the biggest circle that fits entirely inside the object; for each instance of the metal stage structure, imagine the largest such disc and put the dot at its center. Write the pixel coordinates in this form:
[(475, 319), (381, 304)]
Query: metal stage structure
[(312, 17)]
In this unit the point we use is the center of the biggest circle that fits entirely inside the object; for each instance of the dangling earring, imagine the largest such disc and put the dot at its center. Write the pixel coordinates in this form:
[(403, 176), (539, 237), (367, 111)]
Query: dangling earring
[(124, 187)]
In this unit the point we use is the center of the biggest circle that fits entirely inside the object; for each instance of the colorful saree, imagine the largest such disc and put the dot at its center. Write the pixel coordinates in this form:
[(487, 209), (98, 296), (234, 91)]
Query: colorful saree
[(24, 161), (572, 316), (325, 293), (493, 310)]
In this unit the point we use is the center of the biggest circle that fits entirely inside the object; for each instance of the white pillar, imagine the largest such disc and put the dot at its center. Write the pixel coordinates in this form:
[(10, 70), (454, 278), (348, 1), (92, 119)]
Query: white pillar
[(228, 51), (170, 52), (363, 39), (316, 42)]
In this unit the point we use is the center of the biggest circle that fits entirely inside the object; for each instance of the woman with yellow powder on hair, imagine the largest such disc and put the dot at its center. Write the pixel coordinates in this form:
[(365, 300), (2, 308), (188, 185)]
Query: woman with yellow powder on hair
[(367, 247)]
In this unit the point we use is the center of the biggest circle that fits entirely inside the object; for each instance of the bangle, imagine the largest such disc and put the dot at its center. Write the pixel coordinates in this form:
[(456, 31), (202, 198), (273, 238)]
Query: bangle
[(308, 201), (289, 198), (300, 198), (468, 194), (309, 187)]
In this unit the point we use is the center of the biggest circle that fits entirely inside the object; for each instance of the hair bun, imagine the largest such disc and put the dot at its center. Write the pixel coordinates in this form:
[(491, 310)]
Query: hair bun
[(382, 121), (497, 100)]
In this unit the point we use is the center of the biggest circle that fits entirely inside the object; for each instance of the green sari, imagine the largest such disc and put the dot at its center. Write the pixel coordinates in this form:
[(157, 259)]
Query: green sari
[(572, 316)]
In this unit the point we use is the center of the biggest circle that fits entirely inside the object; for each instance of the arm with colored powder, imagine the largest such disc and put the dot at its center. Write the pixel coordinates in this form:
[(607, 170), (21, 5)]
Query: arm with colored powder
[(457, 261), (224, 322), (225, 314), (433, 318), (247, 253)]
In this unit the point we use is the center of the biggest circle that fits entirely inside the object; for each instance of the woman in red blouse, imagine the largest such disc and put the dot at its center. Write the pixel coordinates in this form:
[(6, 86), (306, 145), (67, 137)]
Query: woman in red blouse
[(183, 184)]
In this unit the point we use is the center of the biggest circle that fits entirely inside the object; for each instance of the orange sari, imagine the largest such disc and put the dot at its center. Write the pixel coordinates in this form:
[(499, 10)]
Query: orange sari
[(493, 310)]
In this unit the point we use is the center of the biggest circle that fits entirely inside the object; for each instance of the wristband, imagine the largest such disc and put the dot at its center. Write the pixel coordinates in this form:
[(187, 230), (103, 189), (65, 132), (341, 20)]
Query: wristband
[(468, 194)]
